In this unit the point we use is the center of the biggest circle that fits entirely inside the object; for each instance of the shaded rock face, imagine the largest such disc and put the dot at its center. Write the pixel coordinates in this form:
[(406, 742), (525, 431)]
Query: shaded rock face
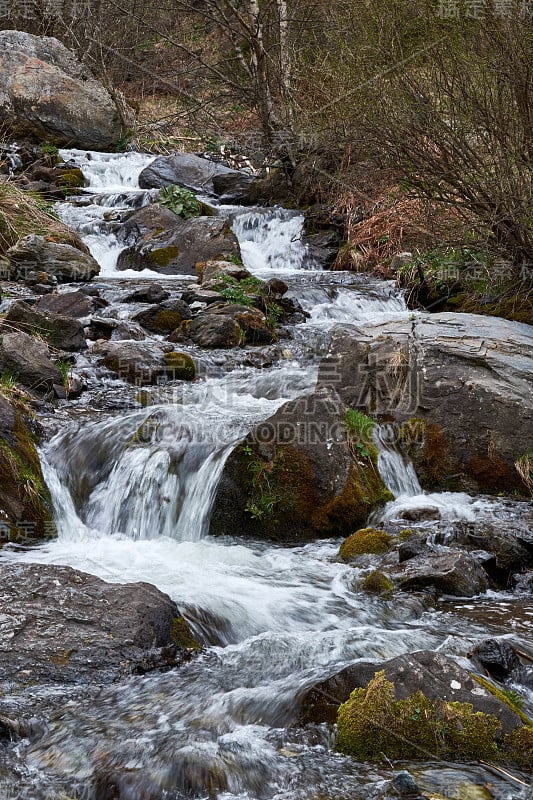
[(193, 172), (163, 242), (68, 304), (46, 93), (25, 506), (295, 477), (64, 333), (458, 385), (437, 676), (62, 261), (452, 572), (213, 331), (139, 363), (61, 625), (28, 360)]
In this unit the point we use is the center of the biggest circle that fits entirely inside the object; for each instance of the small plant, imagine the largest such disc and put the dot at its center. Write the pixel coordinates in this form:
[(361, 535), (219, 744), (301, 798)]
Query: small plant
[(48, 149), (8, 381), (64, 368), (524, 467), (361, 429), (237, 260), (180, 201), (234, 294), (513, 698)]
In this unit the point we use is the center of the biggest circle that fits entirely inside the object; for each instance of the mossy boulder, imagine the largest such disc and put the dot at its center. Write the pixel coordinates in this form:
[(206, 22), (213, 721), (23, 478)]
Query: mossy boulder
[(164, 317), (297, 477), (25, 503), (72, 178), (180, 366), (366, 540), (376, 582)]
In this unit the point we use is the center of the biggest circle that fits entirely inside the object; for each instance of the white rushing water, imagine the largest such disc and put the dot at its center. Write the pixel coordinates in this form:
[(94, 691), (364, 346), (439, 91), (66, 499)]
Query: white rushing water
[(133, 495)]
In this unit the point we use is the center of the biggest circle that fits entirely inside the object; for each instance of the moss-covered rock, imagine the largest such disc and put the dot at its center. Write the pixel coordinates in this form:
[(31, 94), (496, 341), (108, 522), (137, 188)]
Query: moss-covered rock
[(180, 366), (373, 726), (378, 583), (366, 540), (182, 636), (164, 317), (72, 178), (298, 477), (519, 746), (25, 504)]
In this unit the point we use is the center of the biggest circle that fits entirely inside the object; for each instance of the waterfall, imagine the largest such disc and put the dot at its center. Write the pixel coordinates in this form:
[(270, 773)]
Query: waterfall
[(398, 474), (271, 241)]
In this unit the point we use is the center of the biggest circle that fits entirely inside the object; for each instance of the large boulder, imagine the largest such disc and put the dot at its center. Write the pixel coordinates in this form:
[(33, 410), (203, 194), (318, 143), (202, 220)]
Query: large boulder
[(69, 626), (25, 506), (161, 241), (35, 254), (28, 360), (67, 304), (450, 572), (299, 476), (459, 387), (164, 317), (46, 93), (139, 363), (212, 331), (64, 333), (193, 172)]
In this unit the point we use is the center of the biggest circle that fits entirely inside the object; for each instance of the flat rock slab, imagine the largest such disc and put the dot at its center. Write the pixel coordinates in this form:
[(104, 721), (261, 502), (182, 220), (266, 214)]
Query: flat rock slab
[(61, 625)]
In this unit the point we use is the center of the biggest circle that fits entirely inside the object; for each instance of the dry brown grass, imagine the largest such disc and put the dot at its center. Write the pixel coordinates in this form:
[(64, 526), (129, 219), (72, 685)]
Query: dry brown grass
[(23, 213)]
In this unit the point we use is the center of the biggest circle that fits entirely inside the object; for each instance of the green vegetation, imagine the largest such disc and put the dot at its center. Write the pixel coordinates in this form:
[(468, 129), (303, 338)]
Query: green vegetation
[(361, 429), (378, 583), (374, 726), (65, 368), (366, 540), (180, 201), (180, 366), (8, 381)]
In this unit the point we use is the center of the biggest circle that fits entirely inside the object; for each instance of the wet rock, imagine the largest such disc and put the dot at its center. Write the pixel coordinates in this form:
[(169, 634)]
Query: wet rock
[(68, 304), (28, 360), (139, 363), (215, 331), (233, 187), (64, 333), (523, 582), (153, 293), (203, 296), (295, 477), (404, 785), (70, 626), (164, 317), (413, 547), (25, 505), (275, 287), (62, 261), (251, 321), (213, 269), (441, 377), (116, 329), (497, 657), (163, 242), (452, 572), (511, 551), (188, 170), (180, 366), (46, 93), (437, 676), (420, 514)]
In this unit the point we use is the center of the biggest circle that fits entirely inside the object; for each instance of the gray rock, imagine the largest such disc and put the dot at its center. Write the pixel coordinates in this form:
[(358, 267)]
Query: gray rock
[(28, 360), (451, 572), (161, 241), (436, 675), (468, 376), (46, 93), (164, 317), (214, 331), (414, 546), (212, 269), (153, 293), (186, 169), (139, 363), (66, 263), (497, 657), (69, 626), (252, 322), (67, 304), (64, 333)]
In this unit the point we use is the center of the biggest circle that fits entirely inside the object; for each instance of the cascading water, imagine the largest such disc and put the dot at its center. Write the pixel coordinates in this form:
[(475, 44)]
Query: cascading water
[(133, 494)]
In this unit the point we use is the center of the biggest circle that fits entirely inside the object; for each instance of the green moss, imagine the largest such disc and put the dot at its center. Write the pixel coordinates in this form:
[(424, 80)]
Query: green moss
[(180, 366), (181, 635), (366, 540), (503, 696), (166, 321), (72, 178), (378, 583), (519, 747), (405, 534), (374, 726), (163, 256)]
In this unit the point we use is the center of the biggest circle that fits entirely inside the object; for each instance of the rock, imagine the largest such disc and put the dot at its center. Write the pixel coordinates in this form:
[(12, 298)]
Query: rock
[(275, 288), (47, 94), (203, 296), (28, 360), (295, 477), (323, 248), (161, 241), (116, 329), (164, 317), (413, 547), (186, 169), (210, 270), (422, 514), (497, 657), (25, 505), (139, 363), (511, 551), (437, 676), (404, 785), (153, 293), (66, 263), (400, 260), (64, 333), (71, 627), (442, 376), (365, 541), (180, 366), (251, 321), (452, 572), (67, 304), (233, 187), (213, 331)]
